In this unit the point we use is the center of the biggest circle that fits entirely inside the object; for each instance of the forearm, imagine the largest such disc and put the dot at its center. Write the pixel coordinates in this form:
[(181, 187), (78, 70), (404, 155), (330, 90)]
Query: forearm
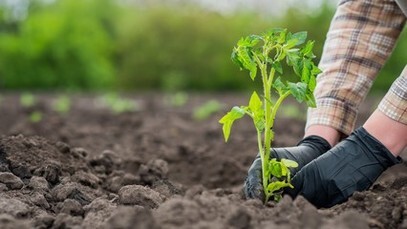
[(361, 37)]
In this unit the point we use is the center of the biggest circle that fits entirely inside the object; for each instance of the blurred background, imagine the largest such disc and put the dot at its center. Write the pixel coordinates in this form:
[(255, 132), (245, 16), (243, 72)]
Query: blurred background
[(139, 45)]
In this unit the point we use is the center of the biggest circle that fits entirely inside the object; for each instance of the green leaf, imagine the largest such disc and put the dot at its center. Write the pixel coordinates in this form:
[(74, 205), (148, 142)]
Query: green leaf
[(300, 37), (229, 118), (275, 168), (307, 50), (281, 38), (255, 106), (289, 163), (279, 86), (311, 100), (277, 66), (235, 59), (255, 102), (291, 43), (253, 72), (312, 83), (253, 40), (277, 186), (306, 71), (315, 70), (298, 90), (243, 57), (294, 60)]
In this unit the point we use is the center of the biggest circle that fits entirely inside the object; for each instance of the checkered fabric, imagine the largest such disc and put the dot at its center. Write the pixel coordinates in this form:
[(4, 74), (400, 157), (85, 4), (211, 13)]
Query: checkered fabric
[(361, 37)]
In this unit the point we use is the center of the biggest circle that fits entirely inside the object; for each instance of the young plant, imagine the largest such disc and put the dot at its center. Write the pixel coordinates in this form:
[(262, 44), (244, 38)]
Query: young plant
[(267, 53), (27, 100), (118, 104), (35, 116), (206, 110), (178, 99), (62, 104)]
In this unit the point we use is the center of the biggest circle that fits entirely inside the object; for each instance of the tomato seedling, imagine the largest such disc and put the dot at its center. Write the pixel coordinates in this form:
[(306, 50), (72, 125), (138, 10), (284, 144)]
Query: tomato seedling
[(206, 110), (62, 104), (267, 53)]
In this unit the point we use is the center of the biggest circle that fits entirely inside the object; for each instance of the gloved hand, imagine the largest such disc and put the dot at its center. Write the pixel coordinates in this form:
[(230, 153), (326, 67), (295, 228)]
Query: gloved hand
[(352, 165), (306, 150)]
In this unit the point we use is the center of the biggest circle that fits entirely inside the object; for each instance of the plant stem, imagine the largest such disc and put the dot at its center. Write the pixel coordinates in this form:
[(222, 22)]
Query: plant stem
[(267, 132), (276, 106)]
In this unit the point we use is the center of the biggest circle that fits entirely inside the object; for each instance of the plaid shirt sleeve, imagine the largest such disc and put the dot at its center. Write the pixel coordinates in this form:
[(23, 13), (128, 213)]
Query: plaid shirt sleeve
[(361, 37)]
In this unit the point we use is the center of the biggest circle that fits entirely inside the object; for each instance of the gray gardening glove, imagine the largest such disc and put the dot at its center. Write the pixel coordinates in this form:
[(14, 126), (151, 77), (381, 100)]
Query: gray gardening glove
[(306, 150), (352, 165)]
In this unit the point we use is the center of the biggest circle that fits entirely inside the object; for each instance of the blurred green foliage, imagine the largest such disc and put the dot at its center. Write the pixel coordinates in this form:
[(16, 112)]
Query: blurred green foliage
[(109, 44), (206, 110), (59, 45)]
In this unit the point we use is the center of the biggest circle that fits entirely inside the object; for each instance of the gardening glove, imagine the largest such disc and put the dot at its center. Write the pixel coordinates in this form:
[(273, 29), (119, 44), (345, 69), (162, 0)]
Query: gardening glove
[(306, 150), (352, 165)]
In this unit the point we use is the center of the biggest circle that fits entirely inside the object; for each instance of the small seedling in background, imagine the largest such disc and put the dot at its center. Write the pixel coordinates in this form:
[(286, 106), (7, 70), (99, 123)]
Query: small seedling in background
[(119, 105), (178, 99), (267, 53), (27, 100), (62, 104), (206, 110), (35, 117)]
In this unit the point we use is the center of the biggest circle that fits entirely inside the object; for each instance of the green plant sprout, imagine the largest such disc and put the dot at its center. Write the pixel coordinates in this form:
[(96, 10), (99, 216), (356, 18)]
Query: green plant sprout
[(27, 100), (119, 105), (62, 104), (35, 117), (178, 99), (206, 110), (266, 53)]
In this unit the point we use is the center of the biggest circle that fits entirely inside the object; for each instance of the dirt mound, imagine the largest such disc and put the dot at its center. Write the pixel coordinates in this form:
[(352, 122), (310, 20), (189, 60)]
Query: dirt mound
[(158, 168), (51, 185)]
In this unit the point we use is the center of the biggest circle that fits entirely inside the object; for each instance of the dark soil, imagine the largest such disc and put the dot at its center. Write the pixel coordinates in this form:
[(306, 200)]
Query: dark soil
[(157, 167)]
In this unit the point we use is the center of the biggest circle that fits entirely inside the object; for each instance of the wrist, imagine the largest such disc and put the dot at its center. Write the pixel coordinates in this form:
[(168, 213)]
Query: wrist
[(331, 135), (392, 134)]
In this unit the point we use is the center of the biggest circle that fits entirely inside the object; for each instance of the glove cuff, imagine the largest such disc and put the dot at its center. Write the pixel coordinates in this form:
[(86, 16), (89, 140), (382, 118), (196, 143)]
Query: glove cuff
[(379, 151), (317, 142)]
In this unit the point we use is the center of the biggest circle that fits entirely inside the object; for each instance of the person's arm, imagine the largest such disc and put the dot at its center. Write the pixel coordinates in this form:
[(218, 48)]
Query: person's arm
[(361, 37)]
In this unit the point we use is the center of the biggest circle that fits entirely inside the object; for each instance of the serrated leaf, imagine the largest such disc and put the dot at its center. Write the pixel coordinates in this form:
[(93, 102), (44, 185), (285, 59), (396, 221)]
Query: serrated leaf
[(242, 42), (260, 124), (277, 186), (306, 72), (245, 60), (312, 83), (227, 120), (307, 50), (311, 100), (282, 36), (291, 43), (315, 70), (255, 106), (289, 163), (275, 168), (253, 72), (297, 66), (293, 59), (300, 36), (277, 66), (235, 59), (253, 40), (255, 102), (279, 86), (298, 90), (284, 169)]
